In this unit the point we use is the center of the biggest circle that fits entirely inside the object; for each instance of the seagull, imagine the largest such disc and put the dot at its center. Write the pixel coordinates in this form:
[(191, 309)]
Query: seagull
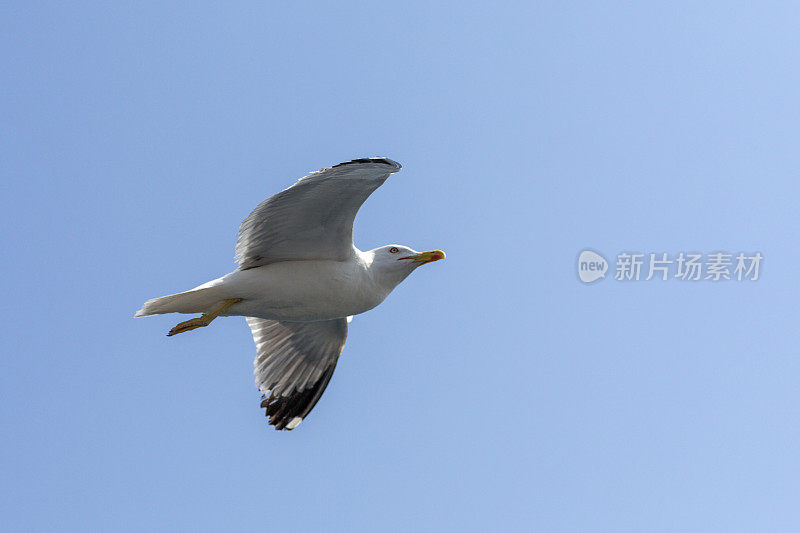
[(300, 280)]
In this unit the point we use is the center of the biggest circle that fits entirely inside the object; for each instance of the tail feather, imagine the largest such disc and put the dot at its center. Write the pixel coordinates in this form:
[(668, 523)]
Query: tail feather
[(198, 300)]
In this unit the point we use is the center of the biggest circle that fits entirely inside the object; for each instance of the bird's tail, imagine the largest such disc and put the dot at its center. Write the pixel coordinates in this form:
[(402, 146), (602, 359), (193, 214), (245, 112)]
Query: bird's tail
[(198, 300)]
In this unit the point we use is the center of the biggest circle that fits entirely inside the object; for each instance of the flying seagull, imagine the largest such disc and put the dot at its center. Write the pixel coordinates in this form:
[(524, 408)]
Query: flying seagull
[(299, 282)]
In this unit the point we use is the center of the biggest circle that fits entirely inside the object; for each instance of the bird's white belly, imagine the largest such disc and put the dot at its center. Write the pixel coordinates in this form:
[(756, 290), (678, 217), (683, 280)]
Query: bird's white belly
[(302, 290)]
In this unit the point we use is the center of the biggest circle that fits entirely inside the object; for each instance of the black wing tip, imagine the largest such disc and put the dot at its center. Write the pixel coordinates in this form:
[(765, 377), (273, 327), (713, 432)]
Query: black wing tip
[(283, 410), (379, 160)]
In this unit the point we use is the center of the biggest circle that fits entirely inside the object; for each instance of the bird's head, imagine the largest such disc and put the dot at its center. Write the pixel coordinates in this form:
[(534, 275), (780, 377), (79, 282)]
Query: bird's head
[(399, 260)]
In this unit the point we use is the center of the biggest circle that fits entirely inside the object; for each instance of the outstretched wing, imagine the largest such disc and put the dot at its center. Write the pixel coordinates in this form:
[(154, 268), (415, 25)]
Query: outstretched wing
[(312, 219), (293, 365)]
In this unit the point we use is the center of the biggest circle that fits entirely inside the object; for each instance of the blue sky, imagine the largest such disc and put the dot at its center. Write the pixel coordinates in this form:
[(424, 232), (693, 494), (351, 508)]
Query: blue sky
[(492, 390)]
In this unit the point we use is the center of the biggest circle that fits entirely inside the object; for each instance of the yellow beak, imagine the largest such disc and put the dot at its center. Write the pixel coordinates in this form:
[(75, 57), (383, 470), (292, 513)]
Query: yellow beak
[(425, 257)]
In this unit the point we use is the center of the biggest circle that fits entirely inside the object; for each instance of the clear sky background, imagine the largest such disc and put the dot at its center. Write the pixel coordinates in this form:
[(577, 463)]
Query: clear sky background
[(491, 391)]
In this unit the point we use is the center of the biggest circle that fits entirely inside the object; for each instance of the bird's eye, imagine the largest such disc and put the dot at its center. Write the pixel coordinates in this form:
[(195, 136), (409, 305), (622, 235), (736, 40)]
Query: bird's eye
[(393, 250)]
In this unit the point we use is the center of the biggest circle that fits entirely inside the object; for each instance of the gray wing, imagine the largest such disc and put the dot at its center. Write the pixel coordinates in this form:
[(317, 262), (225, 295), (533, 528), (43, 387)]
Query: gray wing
[(312, 219), (294, 363)]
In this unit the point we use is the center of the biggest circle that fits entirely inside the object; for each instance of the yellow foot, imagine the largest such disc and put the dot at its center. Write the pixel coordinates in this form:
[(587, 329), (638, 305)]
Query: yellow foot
[(189, 325), (203, 321)]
